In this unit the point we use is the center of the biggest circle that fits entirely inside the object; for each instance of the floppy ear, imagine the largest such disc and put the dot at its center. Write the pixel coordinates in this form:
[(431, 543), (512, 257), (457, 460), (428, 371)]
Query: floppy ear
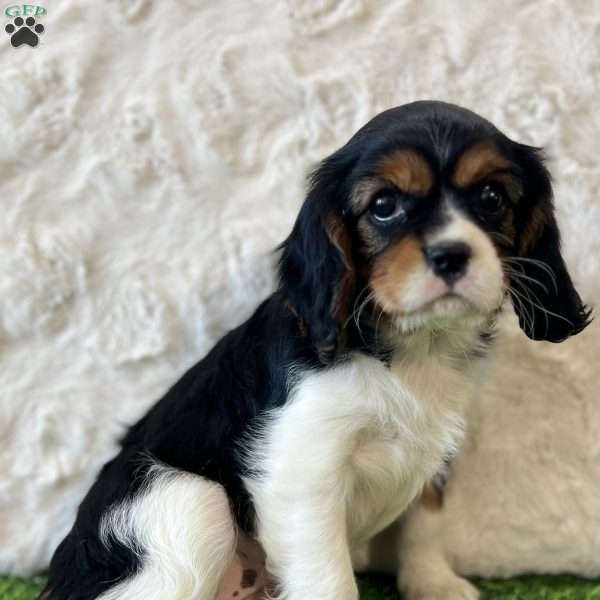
[(316, 267), (555, 310)]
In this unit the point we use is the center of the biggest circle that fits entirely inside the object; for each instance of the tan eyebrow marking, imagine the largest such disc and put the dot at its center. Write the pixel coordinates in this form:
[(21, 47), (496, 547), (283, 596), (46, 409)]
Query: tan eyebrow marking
[(477, 163), (407, 170), (363, 191)]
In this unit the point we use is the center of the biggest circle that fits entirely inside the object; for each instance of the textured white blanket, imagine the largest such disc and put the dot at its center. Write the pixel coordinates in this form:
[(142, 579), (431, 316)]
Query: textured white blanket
[(152, 154)]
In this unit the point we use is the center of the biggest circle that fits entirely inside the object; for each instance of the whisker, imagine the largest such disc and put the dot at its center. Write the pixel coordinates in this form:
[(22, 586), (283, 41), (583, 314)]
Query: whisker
[(356, 301), (545, 310), (520, 275), (553, 314), (527, 316), (357, 313), (538, 263), (525, 294)]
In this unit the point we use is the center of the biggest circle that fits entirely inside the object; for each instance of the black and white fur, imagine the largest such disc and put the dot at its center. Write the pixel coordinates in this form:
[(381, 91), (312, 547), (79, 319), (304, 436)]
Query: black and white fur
[(315, 423)]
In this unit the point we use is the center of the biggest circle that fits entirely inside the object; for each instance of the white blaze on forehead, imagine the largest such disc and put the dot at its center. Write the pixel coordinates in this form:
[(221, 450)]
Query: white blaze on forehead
[(458, 229)]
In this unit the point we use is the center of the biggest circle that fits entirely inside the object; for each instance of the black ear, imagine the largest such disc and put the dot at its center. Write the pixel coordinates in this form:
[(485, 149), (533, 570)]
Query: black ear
[(316, 267), (547, 304)]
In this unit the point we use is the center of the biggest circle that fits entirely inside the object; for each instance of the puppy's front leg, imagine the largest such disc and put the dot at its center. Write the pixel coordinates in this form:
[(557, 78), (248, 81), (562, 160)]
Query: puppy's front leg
[(301, 502), (304, 485), (307, 549)]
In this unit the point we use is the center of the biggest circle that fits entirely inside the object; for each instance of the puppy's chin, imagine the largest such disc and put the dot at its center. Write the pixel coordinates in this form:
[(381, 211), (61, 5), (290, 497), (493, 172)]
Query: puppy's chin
[(450, 312)]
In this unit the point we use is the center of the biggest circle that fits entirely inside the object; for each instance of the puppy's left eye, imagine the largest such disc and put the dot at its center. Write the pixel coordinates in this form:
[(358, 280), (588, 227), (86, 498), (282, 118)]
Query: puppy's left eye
[(492, 199), (386, 207)]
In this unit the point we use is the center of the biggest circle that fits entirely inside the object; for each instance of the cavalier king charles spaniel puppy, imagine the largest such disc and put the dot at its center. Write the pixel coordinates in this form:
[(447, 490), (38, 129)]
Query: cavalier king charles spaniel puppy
[(312, 426)]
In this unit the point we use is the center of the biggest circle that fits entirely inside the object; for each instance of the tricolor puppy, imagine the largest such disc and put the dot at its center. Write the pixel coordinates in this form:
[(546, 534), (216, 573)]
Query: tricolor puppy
[(313, 425)]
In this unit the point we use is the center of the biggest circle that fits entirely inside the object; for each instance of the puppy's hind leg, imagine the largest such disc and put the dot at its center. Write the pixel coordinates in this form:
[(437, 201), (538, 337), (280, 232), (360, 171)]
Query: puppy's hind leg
[(182, 528)]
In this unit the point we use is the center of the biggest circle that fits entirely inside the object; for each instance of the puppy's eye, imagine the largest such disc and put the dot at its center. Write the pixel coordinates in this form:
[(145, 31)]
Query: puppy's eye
[(385, 207), (492, 199)]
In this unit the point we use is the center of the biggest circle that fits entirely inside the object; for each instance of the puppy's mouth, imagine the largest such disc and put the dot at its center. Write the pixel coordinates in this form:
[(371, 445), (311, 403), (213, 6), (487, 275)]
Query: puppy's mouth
[(448, 307), (449, 303), (446, 311)]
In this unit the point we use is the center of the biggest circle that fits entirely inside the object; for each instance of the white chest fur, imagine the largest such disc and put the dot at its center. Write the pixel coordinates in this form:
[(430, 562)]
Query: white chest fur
[(417, 422), (350, 450)]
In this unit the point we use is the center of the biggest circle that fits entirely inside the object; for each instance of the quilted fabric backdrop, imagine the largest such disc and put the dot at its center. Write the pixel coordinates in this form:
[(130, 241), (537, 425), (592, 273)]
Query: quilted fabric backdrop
[(152, 154)]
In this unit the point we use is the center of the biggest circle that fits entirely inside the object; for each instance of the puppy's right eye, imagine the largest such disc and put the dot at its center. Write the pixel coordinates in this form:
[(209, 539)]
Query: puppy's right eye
[(492, 199), (386, 207)]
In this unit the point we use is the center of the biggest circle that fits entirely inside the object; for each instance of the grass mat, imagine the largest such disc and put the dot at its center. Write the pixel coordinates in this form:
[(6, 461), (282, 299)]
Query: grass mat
[(382, 588)]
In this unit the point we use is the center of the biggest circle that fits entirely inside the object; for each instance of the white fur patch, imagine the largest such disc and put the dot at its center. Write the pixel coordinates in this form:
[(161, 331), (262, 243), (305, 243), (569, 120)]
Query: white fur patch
[(345, 457), (184, 526)]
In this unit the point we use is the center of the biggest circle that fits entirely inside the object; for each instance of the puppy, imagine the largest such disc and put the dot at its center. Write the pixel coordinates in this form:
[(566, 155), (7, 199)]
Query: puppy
[(312, 426)]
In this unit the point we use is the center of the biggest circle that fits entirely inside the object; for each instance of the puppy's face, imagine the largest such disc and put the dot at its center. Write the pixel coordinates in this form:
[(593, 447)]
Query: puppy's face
[(428, 215), (428, 225)]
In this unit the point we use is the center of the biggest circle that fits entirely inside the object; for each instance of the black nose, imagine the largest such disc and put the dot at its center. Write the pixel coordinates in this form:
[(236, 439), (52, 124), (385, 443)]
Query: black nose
[(448, 260)]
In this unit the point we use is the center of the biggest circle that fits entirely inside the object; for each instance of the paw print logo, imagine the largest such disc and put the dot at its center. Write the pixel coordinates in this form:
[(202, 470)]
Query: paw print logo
[(24, 31)]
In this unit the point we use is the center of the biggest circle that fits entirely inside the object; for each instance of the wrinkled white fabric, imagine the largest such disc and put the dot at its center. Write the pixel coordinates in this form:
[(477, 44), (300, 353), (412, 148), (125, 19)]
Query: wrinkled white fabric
[(152, 154)]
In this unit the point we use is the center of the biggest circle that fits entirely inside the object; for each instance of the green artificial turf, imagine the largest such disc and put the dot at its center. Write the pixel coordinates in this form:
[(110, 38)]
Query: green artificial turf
[(13, 588), (524, 588), (382, 588)]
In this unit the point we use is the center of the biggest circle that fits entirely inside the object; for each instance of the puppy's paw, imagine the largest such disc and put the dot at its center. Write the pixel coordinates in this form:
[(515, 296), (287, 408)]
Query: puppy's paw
[(452, 588)]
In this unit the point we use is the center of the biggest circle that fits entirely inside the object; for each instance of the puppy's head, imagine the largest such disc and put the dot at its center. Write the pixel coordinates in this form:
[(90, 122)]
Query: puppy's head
[(429, 215)]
